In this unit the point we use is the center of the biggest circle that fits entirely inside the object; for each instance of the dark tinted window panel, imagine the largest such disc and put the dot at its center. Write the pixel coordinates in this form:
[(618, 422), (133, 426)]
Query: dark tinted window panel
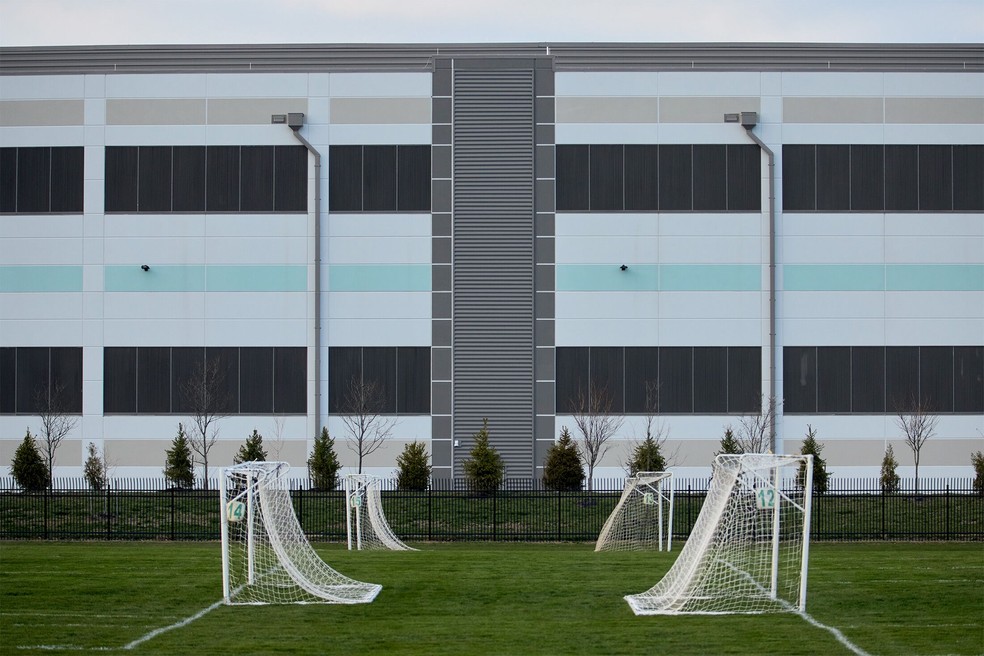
[(868, 379), (935, 178), (187, 372), (833, 178), (968, 178), (188, 179), (936, 378), (33, 179), (67, 174), (121, 178), (32, 371), (710, 378), (290, 179), (413, 179), (799, 374), (572, 375), (8, 180), (222, 178), (968, 379), (641, 379), (345, 178), (379, 178), (744, 178), (344, 369), (744, 379), (799, 178), (675, 178), (120, 380), (413, 380), (711, 177), (607, 372), (379, 372), (606, 178), (256, 380), (867, 178), (153, 380), (901, 378), (834, 379), (641, 174), (572, 178), (154, 179), (225, 361), (256, 179), (66, 378), (8, 380), (676, 379), (290, 380), (901, 178)]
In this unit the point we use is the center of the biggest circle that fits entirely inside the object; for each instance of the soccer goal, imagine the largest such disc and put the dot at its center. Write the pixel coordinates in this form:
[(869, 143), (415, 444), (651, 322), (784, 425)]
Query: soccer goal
[(643, 517), (749, 548), (365, 522), (266, 558)]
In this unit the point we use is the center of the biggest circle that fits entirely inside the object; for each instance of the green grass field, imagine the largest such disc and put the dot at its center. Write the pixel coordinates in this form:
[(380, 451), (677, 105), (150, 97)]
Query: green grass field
[(479, 598)]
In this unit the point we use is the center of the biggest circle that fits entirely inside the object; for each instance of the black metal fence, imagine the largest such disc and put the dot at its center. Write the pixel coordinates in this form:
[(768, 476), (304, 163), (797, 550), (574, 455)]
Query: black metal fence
[(523, 510)]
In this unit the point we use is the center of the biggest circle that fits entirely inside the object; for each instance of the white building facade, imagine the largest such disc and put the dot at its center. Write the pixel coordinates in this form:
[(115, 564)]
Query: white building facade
[(486, 232)]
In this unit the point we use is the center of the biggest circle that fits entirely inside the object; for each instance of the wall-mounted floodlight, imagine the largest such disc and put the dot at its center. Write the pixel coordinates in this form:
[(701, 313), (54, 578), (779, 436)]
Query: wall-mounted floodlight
[(145, 267), (624, 267), (728, 118), (278, 119), (748, 120)]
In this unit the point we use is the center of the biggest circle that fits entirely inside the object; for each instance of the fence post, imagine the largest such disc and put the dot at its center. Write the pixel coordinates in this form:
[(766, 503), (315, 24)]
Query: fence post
[(172, 514), (495, 498), (109, 515), (883, 493), (429, 512), (45, 512), (948, 510), (558, 514)]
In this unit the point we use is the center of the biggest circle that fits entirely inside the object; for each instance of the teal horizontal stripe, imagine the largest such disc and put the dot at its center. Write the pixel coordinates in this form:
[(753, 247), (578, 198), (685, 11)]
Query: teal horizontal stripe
[(379, 278), (40, 278), (256, 278), (160, 278), (664, 277), (879, 277), (935, 277)]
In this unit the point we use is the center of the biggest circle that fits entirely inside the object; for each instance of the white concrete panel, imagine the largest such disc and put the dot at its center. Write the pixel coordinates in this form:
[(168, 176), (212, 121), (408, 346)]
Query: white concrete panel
[(839, 133), (367, 225), (934, 134), (833, 84), (379, 250), (378, 332), (92, 332), (378, 305), (286, 306), (590, 133), (735, 83), (39, 226), (952, 332), (607, 250), (95, 86), (722, 249), (733, 332), (832, 305), (255, 332), (367, 85), (608, 83), (159, 85), (820, 224), (94, 197), (29, 87), (942, 306), (594, 305), (95, 135), (40, 250), (711, 225), (92, 403), (944, 223), (934, 249), (154, 250), (231, 85), (614, 331), (258, 250), (816, 249), (49, 135), (936, 84), (381, 134), (155, 135), (66, 331), (93, 301), (95, 165), (249, 135), (154, 225), (826, 330), (319, 84), (154, 332), (597, 224), (156, 306), (255, 225), (318, 115), (702, 133), (711, 305), (51, 306)]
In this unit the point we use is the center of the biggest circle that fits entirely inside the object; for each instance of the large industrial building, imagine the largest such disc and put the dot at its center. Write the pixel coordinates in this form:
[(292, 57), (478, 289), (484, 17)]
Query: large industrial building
[(699, 231)]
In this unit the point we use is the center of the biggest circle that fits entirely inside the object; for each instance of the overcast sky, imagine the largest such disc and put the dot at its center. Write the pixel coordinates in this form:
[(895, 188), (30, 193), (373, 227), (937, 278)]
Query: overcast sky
[(87, 22)]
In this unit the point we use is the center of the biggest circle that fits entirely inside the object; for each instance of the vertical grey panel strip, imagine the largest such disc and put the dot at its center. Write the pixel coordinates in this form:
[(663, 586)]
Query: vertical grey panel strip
[(492, 286)]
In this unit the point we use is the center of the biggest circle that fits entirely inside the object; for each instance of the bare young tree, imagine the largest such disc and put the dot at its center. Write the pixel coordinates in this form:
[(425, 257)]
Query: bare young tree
[(56, 422), (592, 411), (917, 423), (755, 433), (205, 396), (648, 453), (362, 408)]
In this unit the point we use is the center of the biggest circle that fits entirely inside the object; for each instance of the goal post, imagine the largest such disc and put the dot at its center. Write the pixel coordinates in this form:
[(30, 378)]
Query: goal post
[(365, 522), (643, 517), (266, 557), (748, 551)]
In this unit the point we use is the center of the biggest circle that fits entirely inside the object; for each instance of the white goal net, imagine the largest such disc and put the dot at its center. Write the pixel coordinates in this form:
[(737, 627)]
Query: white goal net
[(643, 517), (749, 548), (364, 519), (266, 558)]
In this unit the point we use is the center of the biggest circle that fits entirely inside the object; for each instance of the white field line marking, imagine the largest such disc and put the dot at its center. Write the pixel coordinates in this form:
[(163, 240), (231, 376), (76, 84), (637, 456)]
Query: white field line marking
[(841, 638), (177, 625)]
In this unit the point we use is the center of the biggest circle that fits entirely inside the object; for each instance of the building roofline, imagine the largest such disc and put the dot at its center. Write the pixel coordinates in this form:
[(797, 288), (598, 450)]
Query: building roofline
[(566, 56)]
